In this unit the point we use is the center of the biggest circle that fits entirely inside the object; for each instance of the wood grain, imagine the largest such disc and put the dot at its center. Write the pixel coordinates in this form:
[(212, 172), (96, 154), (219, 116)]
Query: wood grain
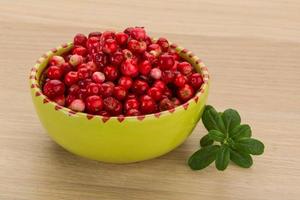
[(252, 49)]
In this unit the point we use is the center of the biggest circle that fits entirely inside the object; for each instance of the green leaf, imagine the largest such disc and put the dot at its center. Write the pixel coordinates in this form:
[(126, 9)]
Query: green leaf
[(203, 157), (212, 120), (250, 146), (216, 135), (241, 131), (206, 141), (241, 159), (231, 119), (222, 157)]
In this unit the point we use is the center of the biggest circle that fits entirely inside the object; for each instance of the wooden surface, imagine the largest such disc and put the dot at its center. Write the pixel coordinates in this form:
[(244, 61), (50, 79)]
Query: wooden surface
[(252, 49)]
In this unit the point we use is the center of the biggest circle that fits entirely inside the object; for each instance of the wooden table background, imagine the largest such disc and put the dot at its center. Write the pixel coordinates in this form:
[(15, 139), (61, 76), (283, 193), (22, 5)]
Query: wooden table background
[(252, 49)]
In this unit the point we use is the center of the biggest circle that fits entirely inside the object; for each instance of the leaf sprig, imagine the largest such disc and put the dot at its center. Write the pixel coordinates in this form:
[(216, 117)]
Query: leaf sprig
[(227, 139)]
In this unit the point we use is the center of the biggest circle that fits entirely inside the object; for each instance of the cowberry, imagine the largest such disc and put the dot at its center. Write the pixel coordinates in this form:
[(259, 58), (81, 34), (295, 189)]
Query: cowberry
[(98, 77), (140, 86), (106, 89), (93, 89), (185, 68), (112, 105), (110, 46), (121, 38), (154, 49), (76, 60), (83, 73), (77, 105), (163, 43), (56, 60), (111, 73), (131, 103), (117, 58), (94, 104), (74, 90), (196, 80), (166, 104), (166, 61), (129, 68), (125, 82), (80, 39), (168, 76), (147, 105), (180, 80), (138, 33), (95, 34), (69, 99), (82, 51), (53, 88), (71, 78), (185, 93), (100, 59), (54, 72), (133, 112), (60, 100), (119, 93), (160, 85), (155, 73), (144, 67), (155, 93)]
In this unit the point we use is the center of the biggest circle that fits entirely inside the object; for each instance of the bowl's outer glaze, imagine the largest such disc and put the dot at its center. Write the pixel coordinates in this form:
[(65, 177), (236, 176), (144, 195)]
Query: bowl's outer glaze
[(118, 140)]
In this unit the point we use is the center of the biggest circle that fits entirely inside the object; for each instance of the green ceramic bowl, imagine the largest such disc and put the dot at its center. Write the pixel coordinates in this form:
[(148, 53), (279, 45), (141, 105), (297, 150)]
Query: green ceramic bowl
[(118, 139)]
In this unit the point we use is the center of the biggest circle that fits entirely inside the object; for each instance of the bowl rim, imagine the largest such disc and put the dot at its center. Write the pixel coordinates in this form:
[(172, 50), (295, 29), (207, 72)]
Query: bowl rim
[(194, 60)]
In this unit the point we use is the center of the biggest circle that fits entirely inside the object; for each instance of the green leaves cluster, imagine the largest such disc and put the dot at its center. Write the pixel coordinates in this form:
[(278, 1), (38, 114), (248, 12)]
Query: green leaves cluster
[(227, 140)]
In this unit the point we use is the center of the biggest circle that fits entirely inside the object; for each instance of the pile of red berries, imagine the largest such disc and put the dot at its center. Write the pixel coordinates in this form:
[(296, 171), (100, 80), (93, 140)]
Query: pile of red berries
[(123, 73)]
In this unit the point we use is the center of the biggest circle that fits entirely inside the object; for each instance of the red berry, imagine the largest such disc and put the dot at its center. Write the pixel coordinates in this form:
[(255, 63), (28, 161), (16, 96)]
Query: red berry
[(160, 85), (82, 94), (131, 103), (185, 68), (186, 92), (107, 35), (80, 39), (82, 51), (155, 73), (91, 66), (94, 104), (148, 56), (145, 67), (155, 93), (66, 67), (83, 73), (154, 49), (196, 80), (117, 58), (168, 93), (71, 78), (133, 112), (110, 46), (112, 105), (95, 34), (176, 101), (138, 33), (119, 92), (60, 100), (98, 77), (129, 68), (140, 87), (53, 88), (100, 59), (57, 61), (125, 82), (106, 89), (93, 89), (180, 80), (166, 61), (128, 30), (93, 44), (166, 104), (148, 40), (111, 73), (54, 72), (147, 105), (163, 43), (76, 60), (121, 38), (74, 90), (136, 46), (175, 55), (131, 96), (168, 76), (77, 105)]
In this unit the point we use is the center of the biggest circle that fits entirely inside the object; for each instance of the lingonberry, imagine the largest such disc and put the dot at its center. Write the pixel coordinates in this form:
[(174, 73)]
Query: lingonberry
[(185, 68), (168, 93), (60, 100), (133, 112), (163, 43), (155, 93), (111, 73), (128, 30), (100, 59), (137, 46), (93, 44), (98, 77), (147, 105), (82, 51), (166, 61), (112, 105), (140, 87), (53, 88), (131, 96), (76, 60), (176, 101), (95, 34), (56, 60), (131, 103), (80, 39), (74, 90), (106, 89), (93, 89), (185, 93), (180, 80), (129, 68), (107, 35), (54, 72), (94, 104), (121, 38), (138, 33), (166, 104), (110, 46), (66, 67), (148, 40), (69, 99), (175, 55), (125, 82), (155, 73), (117, 58), (91, 66), (83, 73), (127, 53), (160, 85), (77, 105), (196, 80), (148, 56), (168, 76), (71, 78), (144, 67), (154, 49), (119, 93)]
